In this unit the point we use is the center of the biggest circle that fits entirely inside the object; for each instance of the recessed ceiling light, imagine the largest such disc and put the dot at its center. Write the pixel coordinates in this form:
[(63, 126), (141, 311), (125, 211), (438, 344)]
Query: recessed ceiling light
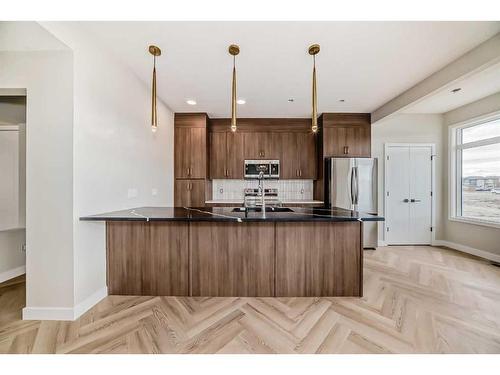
[(456, 90), (241, 101), (191, 102), (291, 100)]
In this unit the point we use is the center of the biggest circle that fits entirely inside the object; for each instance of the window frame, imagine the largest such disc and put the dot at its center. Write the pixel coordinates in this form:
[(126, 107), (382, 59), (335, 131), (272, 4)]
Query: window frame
[(455, 167)]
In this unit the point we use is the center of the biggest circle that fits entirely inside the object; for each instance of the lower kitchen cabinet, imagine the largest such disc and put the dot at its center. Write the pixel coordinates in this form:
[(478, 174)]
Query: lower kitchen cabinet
[(149, 259), (232, 259), (318, 259), (189, 193)]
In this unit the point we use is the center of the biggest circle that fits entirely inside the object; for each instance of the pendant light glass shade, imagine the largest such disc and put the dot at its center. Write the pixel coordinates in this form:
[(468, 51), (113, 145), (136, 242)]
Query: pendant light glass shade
[(233, 50), (314, 50), (155, 51)]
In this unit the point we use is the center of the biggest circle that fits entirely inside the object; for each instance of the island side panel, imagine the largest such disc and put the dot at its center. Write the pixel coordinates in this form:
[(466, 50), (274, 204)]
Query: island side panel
[(232, 259), (318, 259), (147, 258)]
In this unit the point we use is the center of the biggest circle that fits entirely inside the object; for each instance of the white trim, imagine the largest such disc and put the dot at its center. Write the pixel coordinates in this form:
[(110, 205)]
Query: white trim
[(481, 223), (64, 313), (381, 243), (9, 128), (48, 313), (433, 185), (89, 302), (10, 274), (469, 250)]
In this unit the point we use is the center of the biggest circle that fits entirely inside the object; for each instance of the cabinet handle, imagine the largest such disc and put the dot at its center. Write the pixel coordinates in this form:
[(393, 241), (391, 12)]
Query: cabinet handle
[(189, 171), (346, 150), (297, 173), (300, 172)]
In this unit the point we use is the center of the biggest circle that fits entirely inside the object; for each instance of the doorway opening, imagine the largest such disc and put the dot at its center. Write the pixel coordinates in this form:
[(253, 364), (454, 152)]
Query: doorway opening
[(12, 202)]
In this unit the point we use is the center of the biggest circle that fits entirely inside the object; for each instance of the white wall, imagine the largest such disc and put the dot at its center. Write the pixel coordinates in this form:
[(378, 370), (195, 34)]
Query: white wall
[(47, 77), (114, 150), (475, 236), (410, 128)]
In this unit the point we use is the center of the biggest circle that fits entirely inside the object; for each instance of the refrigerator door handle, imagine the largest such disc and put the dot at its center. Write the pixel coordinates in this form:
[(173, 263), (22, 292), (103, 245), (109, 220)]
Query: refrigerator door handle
[(353, 191), (357, 186)]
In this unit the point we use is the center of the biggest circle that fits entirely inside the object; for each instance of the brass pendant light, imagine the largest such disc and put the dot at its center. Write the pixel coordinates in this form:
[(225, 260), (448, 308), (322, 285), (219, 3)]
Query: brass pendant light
[(314, 50), (233, 50), (155, 51)]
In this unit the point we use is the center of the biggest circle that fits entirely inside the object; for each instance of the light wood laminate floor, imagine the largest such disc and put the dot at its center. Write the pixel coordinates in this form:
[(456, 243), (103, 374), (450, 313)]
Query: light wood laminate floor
[(416, 300)]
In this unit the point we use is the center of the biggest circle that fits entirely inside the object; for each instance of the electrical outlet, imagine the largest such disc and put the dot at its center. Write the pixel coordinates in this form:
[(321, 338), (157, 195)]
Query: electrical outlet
[(154, 192)]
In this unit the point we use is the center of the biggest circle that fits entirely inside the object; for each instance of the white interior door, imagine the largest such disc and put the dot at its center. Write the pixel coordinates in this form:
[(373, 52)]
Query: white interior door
[(420, 194), (398, 209), (408, 195)]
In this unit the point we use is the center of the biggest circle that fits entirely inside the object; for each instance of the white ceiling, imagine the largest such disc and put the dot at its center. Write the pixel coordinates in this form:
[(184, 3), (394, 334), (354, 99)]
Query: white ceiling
[(365, 63), (473, 87), (27, 36)]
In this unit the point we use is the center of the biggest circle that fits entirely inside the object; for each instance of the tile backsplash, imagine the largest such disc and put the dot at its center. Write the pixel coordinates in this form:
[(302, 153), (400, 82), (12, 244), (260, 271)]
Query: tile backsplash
[(287, 189)]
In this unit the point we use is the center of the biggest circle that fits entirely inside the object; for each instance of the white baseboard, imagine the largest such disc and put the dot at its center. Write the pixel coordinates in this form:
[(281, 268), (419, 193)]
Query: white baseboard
[(89, 302), (10, 274), (381, 243), (64, 313), (469, 250)]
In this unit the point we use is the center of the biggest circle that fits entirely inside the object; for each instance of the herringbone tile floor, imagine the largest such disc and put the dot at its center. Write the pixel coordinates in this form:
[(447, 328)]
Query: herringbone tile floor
[(416, 300)]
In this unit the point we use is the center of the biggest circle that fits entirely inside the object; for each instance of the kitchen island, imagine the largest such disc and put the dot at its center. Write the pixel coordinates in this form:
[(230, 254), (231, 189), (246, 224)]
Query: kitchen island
[(225, 251)]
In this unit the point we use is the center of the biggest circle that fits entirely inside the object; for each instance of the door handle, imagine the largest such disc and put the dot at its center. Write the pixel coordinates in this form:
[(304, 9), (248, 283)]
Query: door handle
[(406, 200), (415, 200), (352, 186)]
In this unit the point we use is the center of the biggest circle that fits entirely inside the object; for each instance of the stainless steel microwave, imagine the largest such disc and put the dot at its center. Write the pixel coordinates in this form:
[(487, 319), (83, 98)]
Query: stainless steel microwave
[(270, 169)]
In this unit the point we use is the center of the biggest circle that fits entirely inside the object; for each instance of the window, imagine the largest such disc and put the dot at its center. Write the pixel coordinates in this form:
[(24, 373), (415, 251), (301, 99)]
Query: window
[(476, 169)]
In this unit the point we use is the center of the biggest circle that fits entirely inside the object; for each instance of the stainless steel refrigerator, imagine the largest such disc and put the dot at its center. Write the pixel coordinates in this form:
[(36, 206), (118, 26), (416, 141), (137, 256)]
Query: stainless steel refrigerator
[(351, 183)]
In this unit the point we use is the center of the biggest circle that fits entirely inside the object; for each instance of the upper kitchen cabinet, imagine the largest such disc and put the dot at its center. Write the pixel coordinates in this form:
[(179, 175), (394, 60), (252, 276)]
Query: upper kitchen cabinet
[(226, 155), (346, 134), (190, 135), (259, 145), (298, 160)]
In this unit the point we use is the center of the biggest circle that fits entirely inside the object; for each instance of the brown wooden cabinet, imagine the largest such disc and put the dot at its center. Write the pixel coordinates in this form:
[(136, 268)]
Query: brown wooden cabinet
[(259, 145), (298, 156), (226, 155), (346, 135), (231, 259), (189, 193), (149, 259), (319, 259), (190, 144)]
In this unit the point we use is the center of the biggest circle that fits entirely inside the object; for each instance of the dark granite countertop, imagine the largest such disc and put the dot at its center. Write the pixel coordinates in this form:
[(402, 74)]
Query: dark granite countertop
[(227, 214)]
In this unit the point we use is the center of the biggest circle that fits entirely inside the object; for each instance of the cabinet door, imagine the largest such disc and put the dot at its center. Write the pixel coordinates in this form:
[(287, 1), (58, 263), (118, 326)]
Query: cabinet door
[(257, 145), (230, 259), (189, 193), (306, 145), (197, 153), (289, 161), (334, 141), (235, 158), (218, 167), (182, 196), (182, 147), (197, 193)]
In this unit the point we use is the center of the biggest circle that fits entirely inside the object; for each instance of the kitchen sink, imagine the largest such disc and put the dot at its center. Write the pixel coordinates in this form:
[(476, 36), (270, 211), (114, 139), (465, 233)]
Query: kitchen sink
[(259, 209)]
